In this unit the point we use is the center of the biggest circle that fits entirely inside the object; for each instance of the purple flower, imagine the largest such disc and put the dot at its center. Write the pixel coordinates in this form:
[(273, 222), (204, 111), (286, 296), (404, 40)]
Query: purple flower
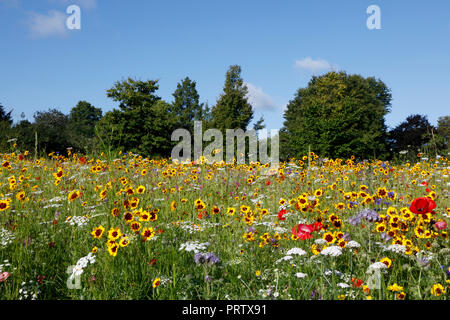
[(384, 236), (206, 258), (199, 258), (211, 258)]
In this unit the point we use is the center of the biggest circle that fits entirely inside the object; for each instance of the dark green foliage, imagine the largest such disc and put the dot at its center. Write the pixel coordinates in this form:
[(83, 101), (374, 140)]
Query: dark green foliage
[(186, 107), (338, 115), (143, 123), (6, 117), (443, 133), (411, 134), (5, 127), (24, 132), (51, 128), (232, 111), (81, 126)]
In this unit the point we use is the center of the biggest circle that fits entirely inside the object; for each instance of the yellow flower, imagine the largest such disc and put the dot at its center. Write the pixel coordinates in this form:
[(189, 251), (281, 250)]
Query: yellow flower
[(156, 282), (124, 241), (258, 273), (73, 195), (147, 234), (401, 296), (112, 249), (394, 288), (114, 234), (140, 190), (437, 290), (98, 232), (386, 261)]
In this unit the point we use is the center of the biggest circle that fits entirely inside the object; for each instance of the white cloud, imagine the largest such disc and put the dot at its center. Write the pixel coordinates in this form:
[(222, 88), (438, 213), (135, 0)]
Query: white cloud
[(51, 24), (259, 99), (312, 65)]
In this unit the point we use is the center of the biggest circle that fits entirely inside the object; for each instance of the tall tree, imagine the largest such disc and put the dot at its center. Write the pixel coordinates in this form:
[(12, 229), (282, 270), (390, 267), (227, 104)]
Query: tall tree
[(186, 106), (4, 116), (232, 110), (5, 128), (443, 133), (51, 128), (337, 115), (411, 134), (82, 120), (142, 124)]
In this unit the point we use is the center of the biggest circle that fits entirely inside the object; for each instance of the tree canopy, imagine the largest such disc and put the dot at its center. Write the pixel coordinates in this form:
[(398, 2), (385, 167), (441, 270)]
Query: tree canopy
[(337, 115)]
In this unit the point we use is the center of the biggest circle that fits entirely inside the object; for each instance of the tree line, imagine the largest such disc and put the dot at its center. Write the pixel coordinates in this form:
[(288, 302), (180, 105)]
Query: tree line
[(336, 115)]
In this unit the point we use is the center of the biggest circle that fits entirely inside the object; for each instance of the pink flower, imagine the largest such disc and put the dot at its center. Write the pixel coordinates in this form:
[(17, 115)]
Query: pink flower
[(4, 276), (303, 231), (440, 225)]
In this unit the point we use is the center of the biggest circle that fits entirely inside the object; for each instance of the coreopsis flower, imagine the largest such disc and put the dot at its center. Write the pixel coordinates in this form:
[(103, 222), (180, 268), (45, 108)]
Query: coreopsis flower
[(114, 234), (147, 234), (386, 261), (98, 232), (437, 290), (73, 195), (113, 248), (156, 283), (4, 205), (140, 190)]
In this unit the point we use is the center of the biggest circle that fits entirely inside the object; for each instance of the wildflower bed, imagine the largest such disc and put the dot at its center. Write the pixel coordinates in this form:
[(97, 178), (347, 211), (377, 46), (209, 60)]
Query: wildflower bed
[(133, 228)]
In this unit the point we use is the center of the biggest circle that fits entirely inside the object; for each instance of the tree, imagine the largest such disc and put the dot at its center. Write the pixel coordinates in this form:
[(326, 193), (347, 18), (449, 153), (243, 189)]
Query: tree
[(232, 111), (51, 128), (337, 115), (443, 133), (142, 124), (186, 106), (81, 126), (411, 134), (5, 127), (5, 116), (24, 132)]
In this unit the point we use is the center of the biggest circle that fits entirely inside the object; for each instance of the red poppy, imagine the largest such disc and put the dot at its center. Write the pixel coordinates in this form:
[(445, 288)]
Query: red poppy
[(317, 226), (268, 183), (357, 283), (422, 205), (303, 231), (281, 215)]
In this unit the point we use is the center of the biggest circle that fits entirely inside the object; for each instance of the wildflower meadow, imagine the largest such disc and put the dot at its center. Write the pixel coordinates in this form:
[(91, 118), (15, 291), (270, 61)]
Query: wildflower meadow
[(129, 227)]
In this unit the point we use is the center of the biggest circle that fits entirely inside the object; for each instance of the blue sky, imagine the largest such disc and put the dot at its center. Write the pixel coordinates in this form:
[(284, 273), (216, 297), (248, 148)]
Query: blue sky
[(278, 44)]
